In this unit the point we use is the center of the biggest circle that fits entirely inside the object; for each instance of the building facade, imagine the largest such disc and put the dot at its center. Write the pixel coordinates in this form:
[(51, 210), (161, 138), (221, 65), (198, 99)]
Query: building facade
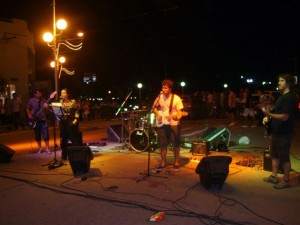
[(17, 58)]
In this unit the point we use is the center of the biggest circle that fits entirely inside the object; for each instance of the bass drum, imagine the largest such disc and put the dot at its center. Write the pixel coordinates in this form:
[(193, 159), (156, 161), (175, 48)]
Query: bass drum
[(141, 140)]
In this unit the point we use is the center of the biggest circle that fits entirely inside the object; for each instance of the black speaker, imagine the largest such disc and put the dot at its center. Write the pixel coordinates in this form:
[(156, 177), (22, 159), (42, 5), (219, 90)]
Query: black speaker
[(114, 133), (219, 137), (80, 158), (213, 171), (6, 153)]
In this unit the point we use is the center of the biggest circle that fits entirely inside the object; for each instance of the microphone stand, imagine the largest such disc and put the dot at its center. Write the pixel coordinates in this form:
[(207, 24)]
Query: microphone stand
[(55, 163), (149, 140)]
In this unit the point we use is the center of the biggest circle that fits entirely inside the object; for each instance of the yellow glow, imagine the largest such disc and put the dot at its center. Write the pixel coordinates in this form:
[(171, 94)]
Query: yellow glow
[(52, 64), (48, 37), (61, 24), (80, 34), (62, 59)]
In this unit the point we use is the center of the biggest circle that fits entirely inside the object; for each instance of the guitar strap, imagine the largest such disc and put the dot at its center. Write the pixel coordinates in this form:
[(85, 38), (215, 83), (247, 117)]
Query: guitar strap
[(171, 104)]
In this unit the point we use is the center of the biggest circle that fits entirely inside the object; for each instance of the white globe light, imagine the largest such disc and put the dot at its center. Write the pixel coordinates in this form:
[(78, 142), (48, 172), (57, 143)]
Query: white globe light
[(48, 37), (61, 24)]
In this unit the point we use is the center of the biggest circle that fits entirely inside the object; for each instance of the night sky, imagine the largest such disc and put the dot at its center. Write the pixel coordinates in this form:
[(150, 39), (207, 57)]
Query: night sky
[(202, 42)]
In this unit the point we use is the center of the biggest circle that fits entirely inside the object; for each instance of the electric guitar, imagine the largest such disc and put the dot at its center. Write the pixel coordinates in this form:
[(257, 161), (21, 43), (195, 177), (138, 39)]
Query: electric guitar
[(159, 120), (267, 102), (33, 121)]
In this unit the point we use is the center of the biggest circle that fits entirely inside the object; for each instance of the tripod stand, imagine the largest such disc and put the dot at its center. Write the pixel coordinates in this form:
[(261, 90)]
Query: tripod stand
[(55, 163)]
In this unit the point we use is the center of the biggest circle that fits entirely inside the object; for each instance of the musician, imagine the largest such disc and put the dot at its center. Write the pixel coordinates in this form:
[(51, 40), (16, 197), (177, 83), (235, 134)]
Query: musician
[(168, 110), (69, 127), (282, 127), (36, 112)]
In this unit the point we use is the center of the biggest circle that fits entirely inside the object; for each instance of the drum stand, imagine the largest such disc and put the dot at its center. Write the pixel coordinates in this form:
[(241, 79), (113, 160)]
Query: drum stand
[(124, 141)]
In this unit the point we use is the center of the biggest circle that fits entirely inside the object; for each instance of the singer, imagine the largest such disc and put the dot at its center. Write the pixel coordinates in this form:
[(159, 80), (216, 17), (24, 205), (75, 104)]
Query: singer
[(69, 128), (168, 110)]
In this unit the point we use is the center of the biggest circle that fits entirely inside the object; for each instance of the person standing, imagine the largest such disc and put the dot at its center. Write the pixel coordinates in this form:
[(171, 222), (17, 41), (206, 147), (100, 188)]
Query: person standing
[(231, 107), (282, 118), (69, 127), (168, 110), (36, 112), (16, 105)]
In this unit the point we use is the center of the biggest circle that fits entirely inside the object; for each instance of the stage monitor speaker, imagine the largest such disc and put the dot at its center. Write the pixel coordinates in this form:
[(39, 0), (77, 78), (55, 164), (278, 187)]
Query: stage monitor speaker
[(213, 171), (220, 136), (6, 153), (80, 158), (114, 133)]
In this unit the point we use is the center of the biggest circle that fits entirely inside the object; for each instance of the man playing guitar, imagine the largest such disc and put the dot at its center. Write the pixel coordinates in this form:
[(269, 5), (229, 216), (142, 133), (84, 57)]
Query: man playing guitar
[(168, 110), (36, 112)]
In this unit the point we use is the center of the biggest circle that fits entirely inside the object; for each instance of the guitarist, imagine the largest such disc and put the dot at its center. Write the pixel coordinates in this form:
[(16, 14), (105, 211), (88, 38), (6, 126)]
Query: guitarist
[(36, 111), (283, 119), (168, 110)]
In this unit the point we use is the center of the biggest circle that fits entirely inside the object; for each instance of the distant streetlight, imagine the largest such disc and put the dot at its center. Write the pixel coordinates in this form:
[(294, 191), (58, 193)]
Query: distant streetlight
[(182, 84)]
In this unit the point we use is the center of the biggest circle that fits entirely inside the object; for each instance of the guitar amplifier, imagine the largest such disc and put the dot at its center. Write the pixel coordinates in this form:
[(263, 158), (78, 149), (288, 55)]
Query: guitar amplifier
[(200, 147), (267, 164)]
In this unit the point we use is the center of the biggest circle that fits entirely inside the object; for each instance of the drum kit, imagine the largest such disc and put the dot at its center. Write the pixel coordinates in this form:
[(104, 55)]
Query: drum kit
[(141, 129)]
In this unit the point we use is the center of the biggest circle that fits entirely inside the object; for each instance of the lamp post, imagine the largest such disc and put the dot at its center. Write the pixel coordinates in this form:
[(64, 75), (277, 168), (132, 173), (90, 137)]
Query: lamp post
[(140, 85), (54, 41), (182, 84)]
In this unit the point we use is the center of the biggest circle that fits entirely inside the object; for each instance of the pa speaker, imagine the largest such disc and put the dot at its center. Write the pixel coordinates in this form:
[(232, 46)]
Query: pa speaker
[(213, 171), (6, 153), (80, 158), (114, 133), (219, 137)]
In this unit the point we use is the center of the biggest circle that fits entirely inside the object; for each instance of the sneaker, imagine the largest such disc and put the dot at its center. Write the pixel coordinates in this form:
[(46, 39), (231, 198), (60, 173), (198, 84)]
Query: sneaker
[(39, 151), (47, 150), (271, 179), (160, 167), (176, 168), (282, 184)]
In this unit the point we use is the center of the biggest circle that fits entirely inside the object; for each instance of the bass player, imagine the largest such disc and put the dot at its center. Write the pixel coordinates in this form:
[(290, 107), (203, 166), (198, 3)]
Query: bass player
[(36, 112)]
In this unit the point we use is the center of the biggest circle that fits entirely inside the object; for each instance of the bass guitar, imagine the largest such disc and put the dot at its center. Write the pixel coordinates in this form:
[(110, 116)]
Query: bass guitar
[(33, 121), (267, 101), (159, 120)]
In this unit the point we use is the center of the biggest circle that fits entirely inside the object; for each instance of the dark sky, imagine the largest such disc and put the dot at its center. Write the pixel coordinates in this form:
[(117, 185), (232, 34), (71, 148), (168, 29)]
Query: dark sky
[(201, 42)]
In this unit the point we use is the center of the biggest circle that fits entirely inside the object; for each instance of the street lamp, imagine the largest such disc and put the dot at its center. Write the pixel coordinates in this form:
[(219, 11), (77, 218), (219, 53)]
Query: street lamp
[(61, 68), (55, 40), (182, 84), (140, 85)]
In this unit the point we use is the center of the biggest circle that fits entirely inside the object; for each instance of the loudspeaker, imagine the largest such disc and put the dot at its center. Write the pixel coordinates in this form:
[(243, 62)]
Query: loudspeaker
[(114, 133), (219, 137), (80, 158), (6, 153), (213, 171)]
